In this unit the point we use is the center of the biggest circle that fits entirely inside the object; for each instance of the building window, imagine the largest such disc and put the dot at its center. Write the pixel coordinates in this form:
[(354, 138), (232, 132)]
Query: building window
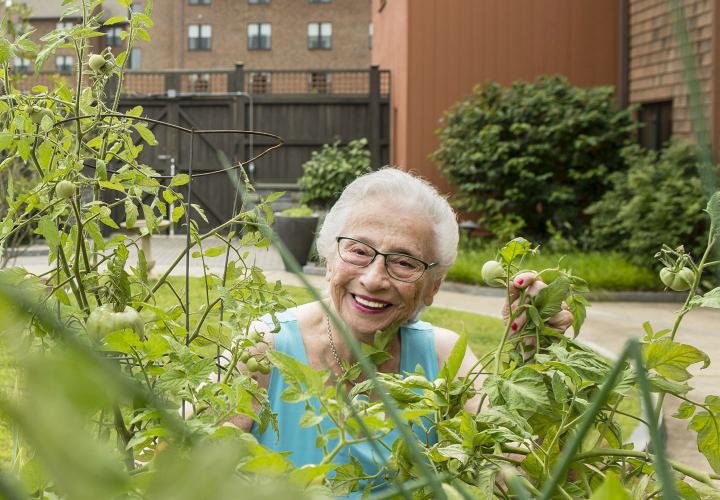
[(258, 2), (199, 2), (64, 64), (136, 7), (64, 25), (259, 36), (199, 82), (319, 83), (21, 64), (135, 60), (319, 35), (199, 37), (320, 1), (370, 35), (656, 120), (113, 37), (259, 83)]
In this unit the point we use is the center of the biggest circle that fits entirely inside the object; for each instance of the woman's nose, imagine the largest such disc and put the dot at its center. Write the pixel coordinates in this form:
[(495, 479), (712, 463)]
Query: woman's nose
[(375, 275)]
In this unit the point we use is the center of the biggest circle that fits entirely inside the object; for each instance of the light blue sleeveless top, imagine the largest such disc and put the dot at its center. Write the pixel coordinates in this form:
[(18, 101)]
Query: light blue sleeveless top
[(417, 347)]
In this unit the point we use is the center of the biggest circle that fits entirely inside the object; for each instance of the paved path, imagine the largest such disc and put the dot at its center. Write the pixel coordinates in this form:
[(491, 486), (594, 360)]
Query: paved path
[(608, 325)]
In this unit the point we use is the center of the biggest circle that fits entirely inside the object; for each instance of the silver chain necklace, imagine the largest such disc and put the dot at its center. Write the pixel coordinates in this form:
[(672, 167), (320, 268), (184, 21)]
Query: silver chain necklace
[(332, 346)]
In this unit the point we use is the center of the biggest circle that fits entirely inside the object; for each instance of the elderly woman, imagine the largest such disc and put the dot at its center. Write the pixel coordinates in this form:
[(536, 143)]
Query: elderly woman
[(387, 243)]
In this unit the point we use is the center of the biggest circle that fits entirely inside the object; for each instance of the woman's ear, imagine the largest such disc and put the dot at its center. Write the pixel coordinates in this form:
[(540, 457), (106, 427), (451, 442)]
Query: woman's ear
[(432, 289)]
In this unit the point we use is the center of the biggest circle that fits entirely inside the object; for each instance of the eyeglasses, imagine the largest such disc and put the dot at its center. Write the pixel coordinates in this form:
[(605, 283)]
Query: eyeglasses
[(399, 266)]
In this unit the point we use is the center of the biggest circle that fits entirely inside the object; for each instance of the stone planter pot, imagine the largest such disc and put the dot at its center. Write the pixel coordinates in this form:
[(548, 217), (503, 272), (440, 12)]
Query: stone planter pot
[(298, 235)]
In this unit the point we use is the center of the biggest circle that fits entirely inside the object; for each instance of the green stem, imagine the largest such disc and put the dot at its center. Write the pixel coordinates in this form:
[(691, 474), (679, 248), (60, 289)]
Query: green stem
[(686, 306), (681, 468)]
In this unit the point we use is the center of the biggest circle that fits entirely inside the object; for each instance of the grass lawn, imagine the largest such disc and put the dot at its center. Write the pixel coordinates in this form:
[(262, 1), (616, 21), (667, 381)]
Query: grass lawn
[(602, 270)]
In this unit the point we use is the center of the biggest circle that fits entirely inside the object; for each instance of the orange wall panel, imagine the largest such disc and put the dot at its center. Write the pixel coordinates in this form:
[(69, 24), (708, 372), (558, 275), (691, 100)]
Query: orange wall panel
[(438, 50)]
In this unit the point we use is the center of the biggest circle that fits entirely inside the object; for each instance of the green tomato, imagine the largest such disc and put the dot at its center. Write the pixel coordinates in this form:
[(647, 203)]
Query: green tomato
[(679, 281), (253, 365), (65, 190), (105, 320), (245, 356), (265, 368), (96, 62), (36, 114), (493, 273)]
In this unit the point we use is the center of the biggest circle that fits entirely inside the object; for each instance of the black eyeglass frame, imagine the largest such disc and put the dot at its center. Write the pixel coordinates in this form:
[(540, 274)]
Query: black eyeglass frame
[(385, 256)]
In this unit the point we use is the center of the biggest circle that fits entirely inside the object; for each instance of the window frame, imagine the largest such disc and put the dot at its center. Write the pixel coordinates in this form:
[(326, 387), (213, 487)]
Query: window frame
[(319, 37), (132, 65), (656, 118), (200, 46), (118, 38), (259, 36), (65, 68), (22, 65)]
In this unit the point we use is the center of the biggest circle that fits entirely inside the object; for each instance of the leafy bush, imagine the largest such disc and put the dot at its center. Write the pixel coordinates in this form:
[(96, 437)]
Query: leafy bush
[(303, 211), (657, 200), (330, 169), (533, 152)]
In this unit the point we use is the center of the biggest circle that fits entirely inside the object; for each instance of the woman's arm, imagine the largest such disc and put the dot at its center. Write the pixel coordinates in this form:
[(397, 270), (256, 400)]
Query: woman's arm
[(445, 340)]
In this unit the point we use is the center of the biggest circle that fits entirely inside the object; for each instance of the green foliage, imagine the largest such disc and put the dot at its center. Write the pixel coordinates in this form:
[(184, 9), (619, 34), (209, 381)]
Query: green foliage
[(330, 169), (607, 270), (657, 200), (532, 153), (303, 211)]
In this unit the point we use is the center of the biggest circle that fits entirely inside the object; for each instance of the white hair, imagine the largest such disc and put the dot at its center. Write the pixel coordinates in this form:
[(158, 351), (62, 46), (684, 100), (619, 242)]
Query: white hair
[(393, 185)]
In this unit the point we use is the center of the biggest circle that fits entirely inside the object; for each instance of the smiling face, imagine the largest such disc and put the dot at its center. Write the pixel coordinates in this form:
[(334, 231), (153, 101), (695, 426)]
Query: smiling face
[(367, 298)]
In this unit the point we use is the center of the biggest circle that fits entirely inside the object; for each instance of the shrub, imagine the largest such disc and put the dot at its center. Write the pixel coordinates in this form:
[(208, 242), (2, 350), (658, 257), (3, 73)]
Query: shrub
[(330, 169), (535, 151), (657, 200)]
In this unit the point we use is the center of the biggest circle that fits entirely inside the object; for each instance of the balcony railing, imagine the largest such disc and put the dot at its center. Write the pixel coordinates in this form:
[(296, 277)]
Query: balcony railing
[(357, 82)]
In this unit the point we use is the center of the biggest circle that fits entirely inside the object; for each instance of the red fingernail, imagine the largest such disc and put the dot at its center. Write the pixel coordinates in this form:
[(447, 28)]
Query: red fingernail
[(514, 326), (519, 281)]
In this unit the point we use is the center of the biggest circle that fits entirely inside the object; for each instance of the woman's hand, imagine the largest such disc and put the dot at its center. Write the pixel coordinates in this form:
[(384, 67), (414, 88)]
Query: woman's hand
[(530, 282)]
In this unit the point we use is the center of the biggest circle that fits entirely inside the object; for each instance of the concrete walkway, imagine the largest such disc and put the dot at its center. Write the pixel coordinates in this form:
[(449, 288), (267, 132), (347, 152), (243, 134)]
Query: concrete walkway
[(609, 324)]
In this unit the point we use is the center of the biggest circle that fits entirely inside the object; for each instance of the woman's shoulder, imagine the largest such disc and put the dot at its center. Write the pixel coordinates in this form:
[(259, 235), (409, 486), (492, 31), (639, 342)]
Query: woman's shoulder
[(445, 340)]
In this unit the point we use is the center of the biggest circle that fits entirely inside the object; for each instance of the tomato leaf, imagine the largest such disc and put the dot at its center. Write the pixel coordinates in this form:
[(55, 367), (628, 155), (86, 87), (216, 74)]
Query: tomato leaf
[(611, 489), (707, 425), (671, 359), (452, 365), (710, 299), (523, 390)]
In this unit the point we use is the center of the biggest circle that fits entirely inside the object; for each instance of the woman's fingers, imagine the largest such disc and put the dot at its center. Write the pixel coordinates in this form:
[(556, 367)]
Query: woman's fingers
[(561, 321)]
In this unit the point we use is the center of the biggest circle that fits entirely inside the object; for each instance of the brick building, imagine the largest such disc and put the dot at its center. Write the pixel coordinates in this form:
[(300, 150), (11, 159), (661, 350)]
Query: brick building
[(654, 74), (207, 34)]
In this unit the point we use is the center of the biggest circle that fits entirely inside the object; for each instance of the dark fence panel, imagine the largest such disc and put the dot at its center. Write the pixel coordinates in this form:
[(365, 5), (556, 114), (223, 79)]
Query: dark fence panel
[(305, 120)]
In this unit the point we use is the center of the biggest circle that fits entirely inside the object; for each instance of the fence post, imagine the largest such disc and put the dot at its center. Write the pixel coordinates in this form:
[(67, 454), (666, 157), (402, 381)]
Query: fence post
[(237, 78), (172, 82), (374, 114)]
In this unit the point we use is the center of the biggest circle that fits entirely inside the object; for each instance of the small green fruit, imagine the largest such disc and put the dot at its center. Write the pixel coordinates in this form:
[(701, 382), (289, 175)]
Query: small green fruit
[(253, 365), (245, 356), (265, 368), (96, 62), (65, 190), (679, 281), (493, 273)]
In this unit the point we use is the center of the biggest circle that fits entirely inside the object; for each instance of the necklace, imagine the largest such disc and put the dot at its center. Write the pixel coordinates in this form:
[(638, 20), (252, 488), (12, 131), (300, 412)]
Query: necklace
[(332, 346)]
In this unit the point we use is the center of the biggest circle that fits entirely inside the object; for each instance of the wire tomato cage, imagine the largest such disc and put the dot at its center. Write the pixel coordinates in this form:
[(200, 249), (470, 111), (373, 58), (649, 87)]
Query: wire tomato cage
[(192, 176)]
